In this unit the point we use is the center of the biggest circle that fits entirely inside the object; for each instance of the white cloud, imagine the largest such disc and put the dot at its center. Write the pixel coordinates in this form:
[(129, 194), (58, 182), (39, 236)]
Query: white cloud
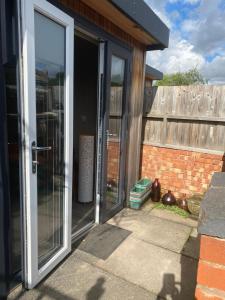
[(185, 1), (209, 34), (201, 35), (190, 25), (214, 70), (192, 1), (179, 57)]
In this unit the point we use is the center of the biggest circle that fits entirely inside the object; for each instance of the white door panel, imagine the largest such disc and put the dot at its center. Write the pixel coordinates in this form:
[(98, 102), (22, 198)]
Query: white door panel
[(47, 77)]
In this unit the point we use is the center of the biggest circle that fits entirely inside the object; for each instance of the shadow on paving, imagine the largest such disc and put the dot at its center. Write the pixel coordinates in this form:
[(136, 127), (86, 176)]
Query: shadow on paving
[(171, 288), (47, 292), (97, 290), (174, 290)]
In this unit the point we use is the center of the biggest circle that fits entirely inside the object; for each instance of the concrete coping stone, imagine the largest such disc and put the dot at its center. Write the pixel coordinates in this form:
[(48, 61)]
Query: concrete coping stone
[(212, 212)]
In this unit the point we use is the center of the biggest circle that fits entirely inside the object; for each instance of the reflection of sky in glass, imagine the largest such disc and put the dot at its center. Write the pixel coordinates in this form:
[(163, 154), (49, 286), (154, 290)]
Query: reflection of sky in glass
[(117, 71), (49, 40)]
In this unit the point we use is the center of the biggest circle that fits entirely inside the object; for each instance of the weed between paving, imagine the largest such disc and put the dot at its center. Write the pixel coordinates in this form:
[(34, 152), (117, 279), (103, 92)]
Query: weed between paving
[(173, 208)]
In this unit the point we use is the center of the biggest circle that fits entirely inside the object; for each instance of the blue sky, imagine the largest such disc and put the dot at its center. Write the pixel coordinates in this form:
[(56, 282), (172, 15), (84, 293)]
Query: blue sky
[(197, 37)]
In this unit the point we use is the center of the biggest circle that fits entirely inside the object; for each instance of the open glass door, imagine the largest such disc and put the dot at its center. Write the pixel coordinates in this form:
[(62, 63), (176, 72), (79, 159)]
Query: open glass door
[(115, 128), (47, 54)]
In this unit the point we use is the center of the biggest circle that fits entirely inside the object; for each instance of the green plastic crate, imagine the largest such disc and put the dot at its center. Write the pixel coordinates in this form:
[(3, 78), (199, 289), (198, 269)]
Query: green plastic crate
[(137, 192), (135, 203), (143, 183)]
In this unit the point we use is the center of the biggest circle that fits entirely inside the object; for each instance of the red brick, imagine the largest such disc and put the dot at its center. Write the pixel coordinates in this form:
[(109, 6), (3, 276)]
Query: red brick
[(211, 275), (212, 250), (169, 164), (202, 293)]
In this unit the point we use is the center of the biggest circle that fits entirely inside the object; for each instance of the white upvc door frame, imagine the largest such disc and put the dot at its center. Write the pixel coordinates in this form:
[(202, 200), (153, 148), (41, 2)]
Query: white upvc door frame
[(32, 274), (101, 67)]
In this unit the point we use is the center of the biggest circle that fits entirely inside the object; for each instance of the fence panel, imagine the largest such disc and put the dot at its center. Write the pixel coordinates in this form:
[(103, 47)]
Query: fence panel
[(187, 117)]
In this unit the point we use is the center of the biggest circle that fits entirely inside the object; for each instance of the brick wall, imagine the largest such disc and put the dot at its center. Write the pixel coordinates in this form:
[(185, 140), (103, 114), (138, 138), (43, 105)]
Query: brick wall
[(179, 170), (113, 161), (211, 269)]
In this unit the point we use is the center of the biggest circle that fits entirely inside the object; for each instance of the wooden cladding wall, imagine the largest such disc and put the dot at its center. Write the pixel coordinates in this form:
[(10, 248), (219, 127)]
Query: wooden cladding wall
[(135, 116), (99, 20), (191, 117)]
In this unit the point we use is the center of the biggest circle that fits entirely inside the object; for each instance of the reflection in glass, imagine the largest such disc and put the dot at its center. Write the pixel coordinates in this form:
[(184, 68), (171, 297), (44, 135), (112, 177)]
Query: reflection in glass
[(13, 151), (50, 75), (114, 132)]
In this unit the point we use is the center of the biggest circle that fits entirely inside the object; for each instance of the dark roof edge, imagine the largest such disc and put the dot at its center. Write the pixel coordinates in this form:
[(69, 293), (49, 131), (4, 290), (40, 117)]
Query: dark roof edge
[(153, 73), (140, 13)]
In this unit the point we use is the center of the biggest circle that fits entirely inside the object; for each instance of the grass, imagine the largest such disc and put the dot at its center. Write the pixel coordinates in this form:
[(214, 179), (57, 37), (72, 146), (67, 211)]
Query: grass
[(174, 209)]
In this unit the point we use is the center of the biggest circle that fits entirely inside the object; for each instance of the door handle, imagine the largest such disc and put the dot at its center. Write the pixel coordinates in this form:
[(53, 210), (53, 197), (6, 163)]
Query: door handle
[(111, 134), (35, 149)]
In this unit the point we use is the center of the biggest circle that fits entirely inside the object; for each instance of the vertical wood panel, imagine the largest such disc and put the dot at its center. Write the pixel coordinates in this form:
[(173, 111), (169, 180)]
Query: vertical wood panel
[(99, 20), (192, 117), (135, 116)]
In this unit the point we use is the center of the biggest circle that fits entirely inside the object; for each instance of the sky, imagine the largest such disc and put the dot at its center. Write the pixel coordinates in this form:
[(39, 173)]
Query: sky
[(197, 37)]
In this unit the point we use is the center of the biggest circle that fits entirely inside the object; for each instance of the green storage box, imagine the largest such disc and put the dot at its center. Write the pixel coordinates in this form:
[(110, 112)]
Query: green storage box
[(137, 192), (143, 183), (136, 202), (140, 192)]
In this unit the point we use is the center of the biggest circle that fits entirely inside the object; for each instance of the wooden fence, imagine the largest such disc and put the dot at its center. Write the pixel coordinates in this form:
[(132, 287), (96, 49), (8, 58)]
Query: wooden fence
[(115, 110), (185, 117)]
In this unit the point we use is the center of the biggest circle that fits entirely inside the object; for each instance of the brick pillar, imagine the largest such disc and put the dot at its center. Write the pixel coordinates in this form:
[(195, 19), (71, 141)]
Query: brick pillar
[(211, 269)]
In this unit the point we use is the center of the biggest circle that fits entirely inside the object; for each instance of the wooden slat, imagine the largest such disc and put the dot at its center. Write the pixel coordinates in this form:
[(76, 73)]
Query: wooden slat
[(177, 117), (191, 117), (135, 116), (106, 9), (100, 19)]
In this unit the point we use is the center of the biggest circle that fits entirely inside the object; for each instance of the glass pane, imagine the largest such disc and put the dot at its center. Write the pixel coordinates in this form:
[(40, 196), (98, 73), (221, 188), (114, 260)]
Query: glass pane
[(13, 151), (114, 133), (85, 122), (50, 75)]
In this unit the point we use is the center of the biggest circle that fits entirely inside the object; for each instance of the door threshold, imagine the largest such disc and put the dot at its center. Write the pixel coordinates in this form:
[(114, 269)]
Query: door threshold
[(80, 233), (17, 291)]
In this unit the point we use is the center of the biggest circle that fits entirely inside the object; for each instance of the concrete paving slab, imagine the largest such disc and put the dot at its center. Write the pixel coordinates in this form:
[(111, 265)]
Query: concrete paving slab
[(148, 206), (161, 232), (192, 246), (158, 270), (192, 222), (129, 219), (136, 269), (127, 213), (85, 282)]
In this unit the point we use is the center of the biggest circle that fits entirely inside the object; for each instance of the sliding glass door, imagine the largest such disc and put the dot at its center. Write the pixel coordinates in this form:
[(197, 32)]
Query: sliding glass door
[(47, 45), (115, 121)]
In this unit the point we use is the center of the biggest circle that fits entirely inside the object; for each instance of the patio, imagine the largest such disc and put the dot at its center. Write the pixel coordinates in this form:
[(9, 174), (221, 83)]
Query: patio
[(148, 254)]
